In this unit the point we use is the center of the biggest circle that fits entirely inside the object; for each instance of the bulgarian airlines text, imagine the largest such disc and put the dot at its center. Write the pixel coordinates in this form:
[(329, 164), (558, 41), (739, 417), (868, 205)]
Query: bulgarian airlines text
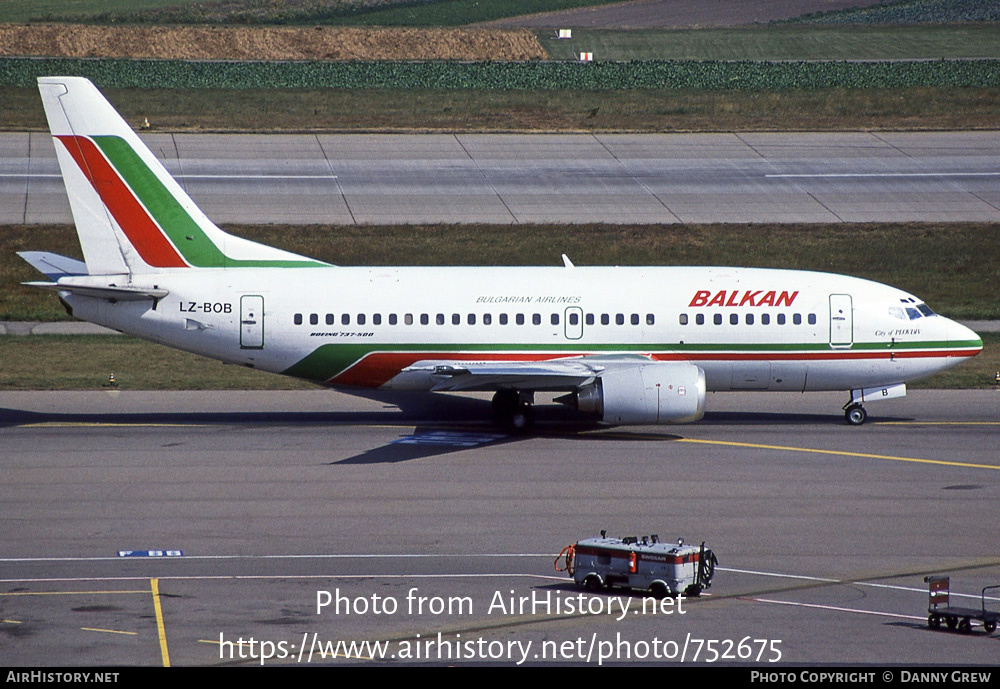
[(455, 647)]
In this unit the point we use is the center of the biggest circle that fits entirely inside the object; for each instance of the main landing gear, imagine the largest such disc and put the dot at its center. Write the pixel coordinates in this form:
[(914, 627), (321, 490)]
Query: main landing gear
[(855, 413), (512, 410)]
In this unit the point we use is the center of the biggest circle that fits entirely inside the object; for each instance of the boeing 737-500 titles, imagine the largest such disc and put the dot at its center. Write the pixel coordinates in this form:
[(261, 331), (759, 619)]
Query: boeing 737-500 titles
[(624, 345)]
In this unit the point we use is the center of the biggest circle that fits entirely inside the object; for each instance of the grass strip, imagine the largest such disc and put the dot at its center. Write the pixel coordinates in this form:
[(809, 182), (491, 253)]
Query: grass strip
[(402, 110)]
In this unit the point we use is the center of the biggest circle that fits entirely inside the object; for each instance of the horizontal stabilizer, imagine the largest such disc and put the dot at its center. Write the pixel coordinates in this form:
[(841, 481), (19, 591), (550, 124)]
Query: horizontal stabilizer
[(109, 292), (53, 266)]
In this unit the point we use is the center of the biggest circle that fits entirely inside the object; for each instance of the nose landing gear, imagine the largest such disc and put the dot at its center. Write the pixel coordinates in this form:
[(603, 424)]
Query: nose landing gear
[(855, 413)]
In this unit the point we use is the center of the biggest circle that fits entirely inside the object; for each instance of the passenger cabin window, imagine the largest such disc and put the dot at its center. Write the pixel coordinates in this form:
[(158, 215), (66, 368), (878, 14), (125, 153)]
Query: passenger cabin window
[(797, 319), (683, 319), (361, 319), (345, 319), (650, 319), (313, 318), (519, 319), (487, 319), (331, 319), (700, 319), (297, 319), (590, 319)]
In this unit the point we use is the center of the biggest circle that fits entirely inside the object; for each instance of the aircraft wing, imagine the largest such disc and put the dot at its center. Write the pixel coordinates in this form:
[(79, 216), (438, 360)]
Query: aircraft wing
[(554, 374)]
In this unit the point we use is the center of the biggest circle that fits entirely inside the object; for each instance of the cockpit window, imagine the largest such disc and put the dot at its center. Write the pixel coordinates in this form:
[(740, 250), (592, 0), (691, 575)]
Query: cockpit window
[(911, 313)]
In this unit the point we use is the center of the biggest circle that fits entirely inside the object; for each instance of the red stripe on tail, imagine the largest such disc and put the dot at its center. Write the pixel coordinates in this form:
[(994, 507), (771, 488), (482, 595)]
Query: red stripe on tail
[(144, 234)]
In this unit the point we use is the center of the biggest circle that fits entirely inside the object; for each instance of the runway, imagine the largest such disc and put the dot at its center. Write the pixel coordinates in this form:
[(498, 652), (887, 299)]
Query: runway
[(550, 178), (423, 520)]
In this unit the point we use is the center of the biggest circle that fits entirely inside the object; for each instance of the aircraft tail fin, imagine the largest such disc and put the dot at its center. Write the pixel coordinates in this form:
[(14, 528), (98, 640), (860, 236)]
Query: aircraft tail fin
[(130, 214)]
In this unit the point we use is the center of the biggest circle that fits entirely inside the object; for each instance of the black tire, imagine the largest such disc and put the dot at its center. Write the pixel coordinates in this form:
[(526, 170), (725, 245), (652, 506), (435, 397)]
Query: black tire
[(933, 621), (965, 626), (855, 414), (692, 591), (592, 583), (659, 590), (990, 626), (512, 413), (952, 622)]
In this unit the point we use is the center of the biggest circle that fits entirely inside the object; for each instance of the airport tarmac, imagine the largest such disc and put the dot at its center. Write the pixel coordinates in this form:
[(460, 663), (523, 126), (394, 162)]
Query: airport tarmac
[(422, 520), (552, 178)]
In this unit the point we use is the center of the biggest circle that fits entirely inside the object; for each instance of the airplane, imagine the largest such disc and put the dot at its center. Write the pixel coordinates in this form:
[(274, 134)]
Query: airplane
[(623, 345)]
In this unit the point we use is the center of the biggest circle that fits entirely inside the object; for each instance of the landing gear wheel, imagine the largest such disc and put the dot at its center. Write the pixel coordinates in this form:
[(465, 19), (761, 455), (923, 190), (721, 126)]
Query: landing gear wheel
[(511, 412), (855, 414)]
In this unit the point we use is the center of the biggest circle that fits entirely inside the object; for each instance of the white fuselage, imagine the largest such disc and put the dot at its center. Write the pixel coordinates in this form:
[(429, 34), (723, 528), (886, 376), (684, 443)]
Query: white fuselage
[(746, 328)]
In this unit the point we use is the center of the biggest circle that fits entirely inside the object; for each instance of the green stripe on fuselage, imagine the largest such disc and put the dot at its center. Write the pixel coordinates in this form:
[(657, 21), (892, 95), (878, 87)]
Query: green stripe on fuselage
[(185, 234)]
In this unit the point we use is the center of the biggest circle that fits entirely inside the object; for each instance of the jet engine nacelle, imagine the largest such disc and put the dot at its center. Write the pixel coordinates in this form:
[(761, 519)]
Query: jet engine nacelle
[(646, 394)]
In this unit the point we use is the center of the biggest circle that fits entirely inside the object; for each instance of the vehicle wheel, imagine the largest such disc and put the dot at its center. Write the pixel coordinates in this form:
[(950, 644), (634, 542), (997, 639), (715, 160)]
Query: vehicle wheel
[(952, 622), (990, 626), (592, 583), (659, 590), (692, 591), (855, 414), (965, 626), (933, 621)]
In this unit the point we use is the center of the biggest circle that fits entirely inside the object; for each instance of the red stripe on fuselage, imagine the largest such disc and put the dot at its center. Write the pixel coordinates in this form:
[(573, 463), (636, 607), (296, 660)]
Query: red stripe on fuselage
[(144, 234), (378, 368)]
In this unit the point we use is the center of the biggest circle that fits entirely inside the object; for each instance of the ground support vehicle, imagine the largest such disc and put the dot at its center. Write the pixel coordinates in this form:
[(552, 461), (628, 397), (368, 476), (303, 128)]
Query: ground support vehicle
[(939, 610), (663, 569)]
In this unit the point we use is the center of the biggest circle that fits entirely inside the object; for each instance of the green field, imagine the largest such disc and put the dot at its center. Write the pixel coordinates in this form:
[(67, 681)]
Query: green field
[(337, 12), (781, 42), (910, 12), (12, 11), (941, 263)]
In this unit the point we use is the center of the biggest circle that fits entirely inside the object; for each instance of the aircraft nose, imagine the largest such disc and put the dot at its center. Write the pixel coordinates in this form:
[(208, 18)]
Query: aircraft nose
[(961, 335)]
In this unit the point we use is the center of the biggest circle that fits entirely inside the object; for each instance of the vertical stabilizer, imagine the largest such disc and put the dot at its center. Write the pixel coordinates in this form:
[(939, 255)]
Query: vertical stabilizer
[(130, 214)]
